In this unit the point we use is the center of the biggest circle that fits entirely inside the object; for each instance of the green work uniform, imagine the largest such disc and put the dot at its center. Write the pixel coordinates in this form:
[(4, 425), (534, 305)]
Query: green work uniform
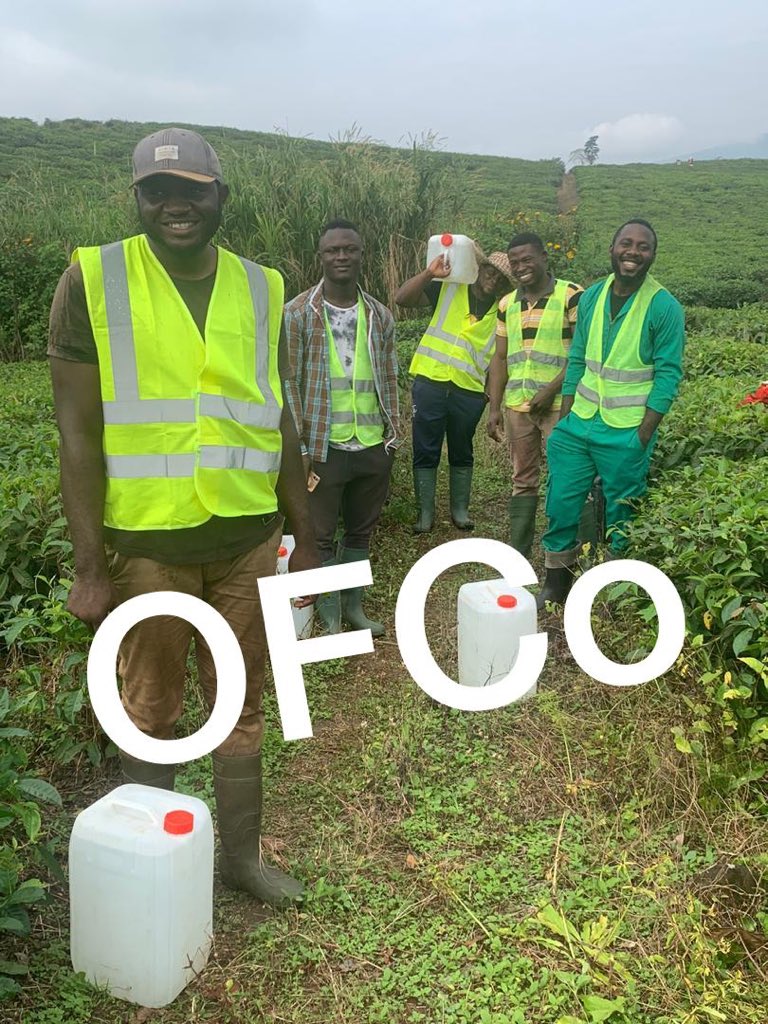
[(581, 447)]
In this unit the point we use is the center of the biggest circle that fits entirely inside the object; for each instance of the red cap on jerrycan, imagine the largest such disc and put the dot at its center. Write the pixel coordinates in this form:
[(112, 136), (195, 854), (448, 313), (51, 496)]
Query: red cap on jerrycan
[(506, 601), (282, 551), (446, 239), (179, 823)]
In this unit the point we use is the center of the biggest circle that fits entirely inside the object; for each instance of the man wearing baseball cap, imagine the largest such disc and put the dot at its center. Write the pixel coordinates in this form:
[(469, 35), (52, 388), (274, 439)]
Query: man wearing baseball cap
[(449, 369), (177, 459)]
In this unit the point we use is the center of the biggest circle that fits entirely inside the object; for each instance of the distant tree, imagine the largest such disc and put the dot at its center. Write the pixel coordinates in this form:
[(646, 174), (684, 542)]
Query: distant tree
[(591, 149), (587, 154)]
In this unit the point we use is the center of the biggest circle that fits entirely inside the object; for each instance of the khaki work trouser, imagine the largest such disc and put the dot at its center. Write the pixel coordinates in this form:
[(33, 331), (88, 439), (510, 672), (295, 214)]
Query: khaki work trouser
[(525, 435), (152, 659)]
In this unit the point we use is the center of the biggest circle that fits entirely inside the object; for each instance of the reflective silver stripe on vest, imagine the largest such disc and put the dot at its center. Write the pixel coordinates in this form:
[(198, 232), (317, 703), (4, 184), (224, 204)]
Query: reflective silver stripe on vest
[(138, 466), (128, 407), (525, 382), (458, 342), (625, 401), (257, 282), (437, 330), (117, 304), (232, 457), (368, 419), (619, 376), (150, 410), (361, 386), (547, 359), (522, 356), (445, 304), (489, 348), (587, 393), (441, 357), (250, 414)]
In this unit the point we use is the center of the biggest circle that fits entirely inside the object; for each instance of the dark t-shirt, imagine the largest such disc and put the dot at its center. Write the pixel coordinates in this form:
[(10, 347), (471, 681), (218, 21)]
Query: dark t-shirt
[(71, 337), (477, 307)]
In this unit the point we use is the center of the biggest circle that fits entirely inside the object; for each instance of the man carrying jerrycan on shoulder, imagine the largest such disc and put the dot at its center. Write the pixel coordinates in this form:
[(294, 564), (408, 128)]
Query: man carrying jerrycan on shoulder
[(449, 369)]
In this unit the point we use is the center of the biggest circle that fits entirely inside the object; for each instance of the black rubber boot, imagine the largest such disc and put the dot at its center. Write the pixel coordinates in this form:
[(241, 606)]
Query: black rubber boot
[(556, 587), (352, 600), (425, 485), (328, 606), (460, 479), (161, 776), (237, 785), (522, 522)]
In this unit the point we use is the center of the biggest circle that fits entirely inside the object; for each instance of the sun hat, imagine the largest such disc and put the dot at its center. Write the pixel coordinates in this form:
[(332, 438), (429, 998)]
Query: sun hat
[(500, 261), (176, 151)]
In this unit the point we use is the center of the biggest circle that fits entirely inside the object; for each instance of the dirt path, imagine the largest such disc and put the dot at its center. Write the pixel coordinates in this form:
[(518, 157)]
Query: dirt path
[(567, 194)]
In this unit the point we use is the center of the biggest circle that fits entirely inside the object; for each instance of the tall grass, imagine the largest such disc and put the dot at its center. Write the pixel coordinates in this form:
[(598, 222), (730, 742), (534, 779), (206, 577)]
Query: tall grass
[(280, 198)]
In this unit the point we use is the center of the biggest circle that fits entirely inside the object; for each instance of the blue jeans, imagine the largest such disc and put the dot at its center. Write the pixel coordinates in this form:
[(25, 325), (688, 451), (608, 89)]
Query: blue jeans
[(439, 409)]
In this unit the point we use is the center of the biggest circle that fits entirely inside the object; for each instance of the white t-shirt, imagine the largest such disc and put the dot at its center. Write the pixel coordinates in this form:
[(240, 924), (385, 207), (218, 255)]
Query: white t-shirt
[(343, 322)]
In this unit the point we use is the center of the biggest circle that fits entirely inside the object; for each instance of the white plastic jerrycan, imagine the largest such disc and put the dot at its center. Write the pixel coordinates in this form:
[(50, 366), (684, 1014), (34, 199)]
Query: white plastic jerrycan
[(459, 250), (302, 617), (492, 617), (141, 892)]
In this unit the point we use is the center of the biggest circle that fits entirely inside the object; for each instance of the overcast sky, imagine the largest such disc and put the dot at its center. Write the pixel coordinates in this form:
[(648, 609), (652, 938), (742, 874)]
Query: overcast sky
[(654, 79)]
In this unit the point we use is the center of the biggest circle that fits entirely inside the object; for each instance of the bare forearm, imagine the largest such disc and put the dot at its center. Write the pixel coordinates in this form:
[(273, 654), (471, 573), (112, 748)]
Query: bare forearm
[(83, 486), (567, 405), (411, 292), (497, 380), (555, 385), (291, 488)]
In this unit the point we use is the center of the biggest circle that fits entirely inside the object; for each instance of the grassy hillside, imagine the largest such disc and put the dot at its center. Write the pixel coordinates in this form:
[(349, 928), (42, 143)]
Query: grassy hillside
[(593, 854), (76, 151), (63, 184), (711, 248)]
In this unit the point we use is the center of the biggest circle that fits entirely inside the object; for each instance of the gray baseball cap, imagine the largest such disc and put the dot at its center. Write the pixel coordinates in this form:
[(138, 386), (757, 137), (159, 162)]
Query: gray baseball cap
[(176, 151)]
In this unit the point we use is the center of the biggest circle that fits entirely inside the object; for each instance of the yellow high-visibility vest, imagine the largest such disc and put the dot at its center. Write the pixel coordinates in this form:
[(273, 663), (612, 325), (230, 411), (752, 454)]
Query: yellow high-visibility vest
[(619, 385), (528, 372), (455, 347), (191, 425), (354, 403)]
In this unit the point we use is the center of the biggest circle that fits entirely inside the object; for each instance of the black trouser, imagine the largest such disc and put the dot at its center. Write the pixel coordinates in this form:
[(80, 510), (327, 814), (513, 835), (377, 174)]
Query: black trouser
[(355, 484), (440, 408)]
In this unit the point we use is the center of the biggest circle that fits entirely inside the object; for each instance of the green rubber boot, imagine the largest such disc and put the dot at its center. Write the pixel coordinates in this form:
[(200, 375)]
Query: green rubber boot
[(328, 606), (238, 789), (522, 522), (461, 485), (352, 600), (425, 485), (161, 776), (557, 586)]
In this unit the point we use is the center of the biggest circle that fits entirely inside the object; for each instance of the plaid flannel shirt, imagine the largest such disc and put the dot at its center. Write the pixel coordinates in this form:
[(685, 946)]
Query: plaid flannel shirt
[(308, 379)]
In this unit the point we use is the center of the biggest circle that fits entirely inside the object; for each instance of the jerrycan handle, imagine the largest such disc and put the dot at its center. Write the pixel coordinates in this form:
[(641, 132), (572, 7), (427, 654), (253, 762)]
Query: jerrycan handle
[(135, 810)]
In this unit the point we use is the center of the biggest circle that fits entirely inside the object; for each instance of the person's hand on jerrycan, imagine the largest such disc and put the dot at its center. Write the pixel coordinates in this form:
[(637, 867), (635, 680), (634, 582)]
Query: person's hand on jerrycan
[(439, 267)]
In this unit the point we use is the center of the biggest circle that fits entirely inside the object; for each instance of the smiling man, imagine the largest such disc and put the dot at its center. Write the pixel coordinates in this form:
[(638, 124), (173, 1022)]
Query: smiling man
[(624, 369), (449, 368), (342, 389), (176, 451), (533, 337)]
